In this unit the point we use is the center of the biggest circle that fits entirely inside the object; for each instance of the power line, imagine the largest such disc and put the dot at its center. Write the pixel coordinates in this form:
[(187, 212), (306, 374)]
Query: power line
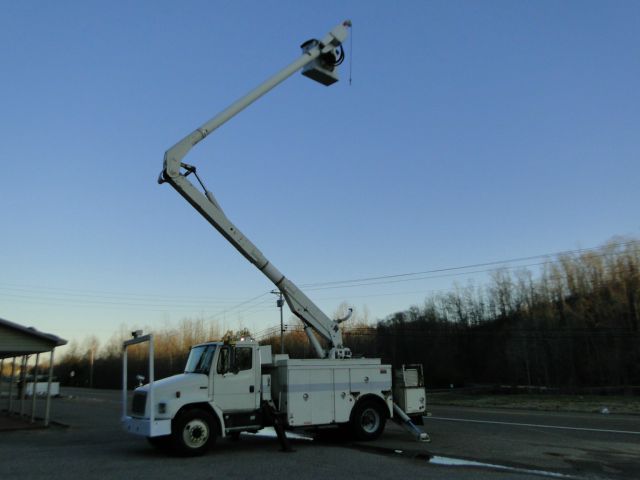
[(467, 330), (98, 301), (191, 300), (127, 297), (41, 295), (98, 293), (444, 275), (337, 283), (228, 310)]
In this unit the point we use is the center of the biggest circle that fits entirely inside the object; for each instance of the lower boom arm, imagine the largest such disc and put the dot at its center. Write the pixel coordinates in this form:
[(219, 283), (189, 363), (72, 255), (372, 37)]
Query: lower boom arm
[(298, 302)]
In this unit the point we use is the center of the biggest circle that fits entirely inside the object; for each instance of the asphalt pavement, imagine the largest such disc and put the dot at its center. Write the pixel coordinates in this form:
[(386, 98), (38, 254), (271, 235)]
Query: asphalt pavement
[(466, 444), (581, 444)]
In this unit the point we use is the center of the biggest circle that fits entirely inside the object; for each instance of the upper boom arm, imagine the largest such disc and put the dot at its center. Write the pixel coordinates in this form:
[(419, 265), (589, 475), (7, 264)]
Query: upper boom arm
[(315, 49), (316, 62)]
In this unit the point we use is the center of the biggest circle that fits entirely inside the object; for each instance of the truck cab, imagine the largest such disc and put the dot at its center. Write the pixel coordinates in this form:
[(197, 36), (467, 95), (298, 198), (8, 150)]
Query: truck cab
[(221, 385)]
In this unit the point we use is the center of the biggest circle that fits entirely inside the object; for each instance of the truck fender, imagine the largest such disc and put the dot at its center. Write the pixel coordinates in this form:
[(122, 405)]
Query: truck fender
[(213, 409), (218, 413), (374, 398)]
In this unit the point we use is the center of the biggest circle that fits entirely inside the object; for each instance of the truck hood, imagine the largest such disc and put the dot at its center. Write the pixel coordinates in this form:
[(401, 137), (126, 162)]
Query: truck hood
[(184, 382)]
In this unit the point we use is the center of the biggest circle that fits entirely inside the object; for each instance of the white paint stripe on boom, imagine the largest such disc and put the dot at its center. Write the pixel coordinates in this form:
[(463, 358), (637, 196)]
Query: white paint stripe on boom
[(599, 430)]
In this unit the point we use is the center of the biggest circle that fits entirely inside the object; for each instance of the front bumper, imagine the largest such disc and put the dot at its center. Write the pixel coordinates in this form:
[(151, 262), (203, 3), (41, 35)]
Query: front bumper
[(146, 428)]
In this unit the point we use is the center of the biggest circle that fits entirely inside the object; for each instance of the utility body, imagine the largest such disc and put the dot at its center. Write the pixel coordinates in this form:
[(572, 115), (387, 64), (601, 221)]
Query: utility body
[(234, 387)]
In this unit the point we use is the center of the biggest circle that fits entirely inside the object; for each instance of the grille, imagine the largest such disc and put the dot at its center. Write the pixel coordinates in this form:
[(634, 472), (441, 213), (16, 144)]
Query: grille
[(139, 402)]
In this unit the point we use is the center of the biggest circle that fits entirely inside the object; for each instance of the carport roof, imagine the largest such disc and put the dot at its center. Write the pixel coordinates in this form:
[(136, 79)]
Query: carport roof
[(17, 340)]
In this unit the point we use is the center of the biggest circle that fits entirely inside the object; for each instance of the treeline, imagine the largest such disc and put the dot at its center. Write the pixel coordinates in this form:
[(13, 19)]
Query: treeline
[(576, 324), (572, 322)]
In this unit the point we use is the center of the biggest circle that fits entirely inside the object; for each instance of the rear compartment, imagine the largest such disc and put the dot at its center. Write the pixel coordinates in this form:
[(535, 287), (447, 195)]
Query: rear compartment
[(324, 392)]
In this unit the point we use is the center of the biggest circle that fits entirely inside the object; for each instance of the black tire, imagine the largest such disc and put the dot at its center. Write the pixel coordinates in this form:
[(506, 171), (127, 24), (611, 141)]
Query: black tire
[(193, 432), (368, 420)]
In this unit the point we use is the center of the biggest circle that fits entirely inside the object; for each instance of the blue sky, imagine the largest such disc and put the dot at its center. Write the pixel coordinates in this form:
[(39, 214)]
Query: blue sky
[(472, 132)]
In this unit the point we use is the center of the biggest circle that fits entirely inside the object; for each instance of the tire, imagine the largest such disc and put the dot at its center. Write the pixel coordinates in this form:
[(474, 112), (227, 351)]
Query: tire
[(368, 420), (194, 432)]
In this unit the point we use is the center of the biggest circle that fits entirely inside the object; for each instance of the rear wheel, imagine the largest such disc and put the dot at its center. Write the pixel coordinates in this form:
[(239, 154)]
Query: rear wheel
[(368, 421), (194, 432)]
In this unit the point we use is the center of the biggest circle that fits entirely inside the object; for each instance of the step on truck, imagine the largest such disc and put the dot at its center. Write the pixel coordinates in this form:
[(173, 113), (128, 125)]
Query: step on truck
[(229, 388)]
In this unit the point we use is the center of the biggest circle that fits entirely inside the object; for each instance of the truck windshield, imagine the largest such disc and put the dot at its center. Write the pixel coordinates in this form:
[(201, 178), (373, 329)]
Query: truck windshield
[(199, 360)]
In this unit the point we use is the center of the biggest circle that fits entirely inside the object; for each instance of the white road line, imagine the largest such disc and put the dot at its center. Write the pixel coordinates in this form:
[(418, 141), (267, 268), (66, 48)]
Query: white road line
[(600, 430), (458, 462)]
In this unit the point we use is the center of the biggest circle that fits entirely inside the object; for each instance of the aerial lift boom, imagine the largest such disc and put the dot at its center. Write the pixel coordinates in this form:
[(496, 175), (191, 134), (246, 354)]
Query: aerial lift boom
[(318, 62)]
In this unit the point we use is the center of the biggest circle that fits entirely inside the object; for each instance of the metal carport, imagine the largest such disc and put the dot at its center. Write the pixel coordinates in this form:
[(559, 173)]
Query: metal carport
[(20, 342)]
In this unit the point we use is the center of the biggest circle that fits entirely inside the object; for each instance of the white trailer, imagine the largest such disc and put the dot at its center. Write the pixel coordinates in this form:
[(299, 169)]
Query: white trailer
[(43, 389), (229, 388)]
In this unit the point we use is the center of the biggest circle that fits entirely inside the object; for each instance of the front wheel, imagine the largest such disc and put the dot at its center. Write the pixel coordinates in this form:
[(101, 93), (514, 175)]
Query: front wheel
[(368, 421), (194, 432)]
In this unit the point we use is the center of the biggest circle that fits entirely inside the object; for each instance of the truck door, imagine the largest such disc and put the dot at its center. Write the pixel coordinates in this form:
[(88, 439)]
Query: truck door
[(234, 383)]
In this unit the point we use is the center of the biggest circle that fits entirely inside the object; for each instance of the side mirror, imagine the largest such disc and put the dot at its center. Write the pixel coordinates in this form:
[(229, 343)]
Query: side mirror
[(140, 379)]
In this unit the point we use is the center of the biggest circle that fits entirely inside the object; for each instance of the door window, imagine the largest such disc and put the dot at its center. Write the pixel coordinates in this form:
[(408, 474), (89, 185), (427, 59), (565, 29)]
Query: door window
[(234, 361), (243, 359)]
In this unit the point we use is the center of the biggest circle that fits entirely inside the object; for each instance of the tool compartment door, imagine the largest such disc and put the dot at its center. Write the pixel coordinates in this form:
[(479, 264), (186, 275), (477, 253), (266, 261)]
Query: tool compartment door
[(370, 379), (310, 397), (298, 398), (343, 400), (322, 393)]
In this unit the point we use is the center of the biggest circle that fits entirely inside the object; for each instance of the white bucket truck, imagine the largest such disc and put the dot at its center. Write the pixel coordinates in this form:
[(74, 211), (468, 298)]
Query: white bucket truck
[(240, 387), (229, 388)]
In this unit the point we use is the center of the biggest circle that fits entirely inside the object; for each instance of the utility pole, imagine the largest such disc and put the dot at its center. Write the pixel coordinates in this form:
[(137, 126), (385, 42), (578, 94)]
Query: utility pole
[(280, 304), (91, 368)]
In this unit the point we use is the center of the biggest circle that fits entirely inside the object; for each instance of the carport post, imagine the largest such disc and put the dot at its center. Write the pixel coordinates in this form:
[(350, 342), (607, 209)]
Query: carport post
[(13, 370), (124, 382), (33, 391), (1, 374), (152, 408), (23, 383), (47, 407)]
